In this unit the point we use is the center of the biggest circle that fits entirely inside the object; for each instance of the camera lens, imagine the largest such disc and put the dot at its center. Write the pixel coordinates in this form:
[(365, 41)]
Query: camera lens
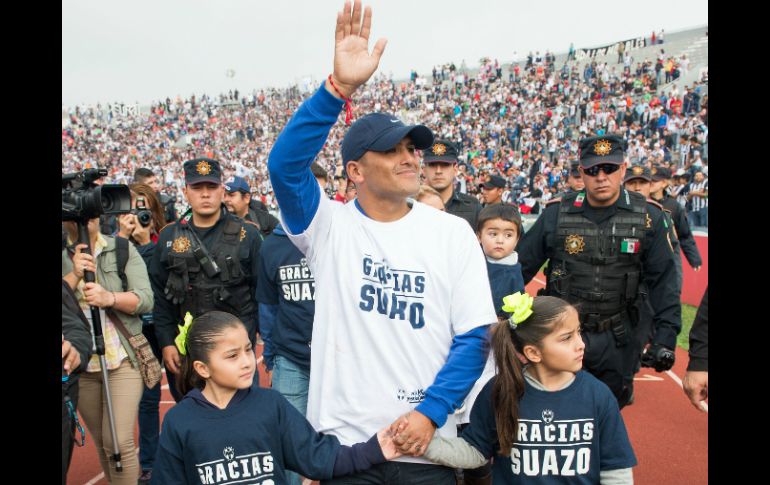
[(145, 217), (107, 202)]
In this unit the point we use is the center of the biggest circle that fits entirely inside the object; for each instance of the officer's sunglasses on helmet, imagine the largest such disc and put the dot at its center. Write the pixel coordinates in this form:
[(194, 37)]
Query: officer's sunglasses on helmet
[(607, 168)]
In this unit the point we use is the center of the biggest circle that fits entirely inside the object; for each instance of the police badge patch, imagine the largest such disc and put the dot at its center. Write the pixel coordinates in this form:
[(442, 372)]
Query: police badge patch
[(180, 245), (649, 221), (439, 149), (203, 167), (637, 170), (243, 233), (574, 244), (602, 148)]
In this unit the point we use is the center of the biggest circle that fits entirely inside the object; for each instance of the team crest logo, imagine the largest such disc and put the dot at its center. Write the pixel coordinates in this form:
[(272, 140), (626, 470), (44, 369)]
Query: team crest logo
[(649, 221), (637, 170), (229, 453), (243, 233), (303, 262), (574, 244), (203, 167), (401, 395), (602, 147), (439, 149), (180, 245), (547, 416)]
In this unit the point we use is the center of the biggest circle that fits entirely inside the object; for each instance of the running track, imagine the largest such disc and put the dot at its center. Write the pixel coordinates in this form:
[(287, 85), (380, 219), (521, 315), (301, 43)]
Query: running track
[(669, 436)]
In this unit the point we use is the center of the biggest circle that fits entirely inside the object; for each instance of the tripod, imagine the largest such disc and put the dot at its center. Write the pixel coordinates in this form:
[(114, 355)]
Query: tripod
[(96, 324)]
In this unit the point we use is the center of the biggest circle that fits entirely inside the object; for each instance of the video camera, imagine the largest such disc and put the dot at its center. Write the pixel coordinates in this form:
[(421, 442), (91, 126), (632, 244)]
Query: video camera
[(82, 199)]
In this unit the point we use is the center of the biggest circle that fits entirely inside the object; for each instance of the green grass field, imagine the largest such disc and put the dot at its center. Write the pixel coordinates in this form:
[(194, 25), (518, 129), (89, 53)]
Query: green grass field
[(688, 315)]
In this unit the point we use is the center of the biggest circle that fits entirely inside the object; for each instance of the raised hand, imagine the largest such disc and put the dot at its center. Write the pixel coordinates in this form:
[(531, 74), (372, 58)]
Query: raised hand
[(353, 65)]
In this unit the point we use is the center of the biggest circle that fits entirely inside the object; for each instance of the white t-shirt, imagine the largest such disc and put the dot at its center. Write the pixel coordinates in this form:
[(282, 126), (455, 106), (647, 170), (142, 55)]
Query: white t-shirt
[(373, 358)]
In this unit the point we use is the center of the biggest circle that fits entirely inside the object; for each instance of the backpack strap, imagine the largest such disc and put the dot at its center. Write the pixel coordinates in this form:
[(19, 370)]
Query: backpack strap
[(121, 253)]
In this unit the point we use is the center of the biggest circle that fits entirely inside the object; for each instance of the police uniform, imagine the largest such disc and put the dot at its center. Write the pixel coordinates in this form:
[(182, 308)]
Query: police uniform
[(573, 172), (459, 204), (679, 218), (203, 269), (598, 259), (644, 330), (169, 209)]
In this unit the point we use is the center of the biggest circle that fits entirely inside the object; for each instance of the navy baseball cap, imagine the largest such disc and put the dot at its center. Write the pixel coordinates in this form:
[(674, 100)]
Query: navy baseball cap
[(441, 151), (380, 132), (200, 170), (494, 182), (660, 173), (601, 149), (638, 172), (237, 184)]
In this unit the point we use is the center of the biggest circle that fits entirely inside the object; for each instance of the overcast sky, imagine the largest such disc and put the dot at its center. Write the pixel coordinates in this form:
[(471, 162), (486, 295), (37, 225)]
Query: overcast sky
[(144, 50)]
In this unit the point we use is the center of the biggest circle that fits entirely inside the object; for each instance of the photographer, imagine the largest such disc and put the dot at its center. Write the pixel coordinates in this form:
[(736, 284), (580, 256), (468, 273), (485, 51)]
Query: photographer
[(75, 352), (125, 381), (147, 177), (141, 227)]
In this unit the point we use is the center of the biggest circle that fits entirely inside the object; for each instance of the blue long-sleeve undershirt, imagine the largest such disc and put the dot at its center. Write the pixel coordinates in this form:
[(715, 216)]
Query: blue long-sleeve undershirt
[(296, 189), (466, 360)]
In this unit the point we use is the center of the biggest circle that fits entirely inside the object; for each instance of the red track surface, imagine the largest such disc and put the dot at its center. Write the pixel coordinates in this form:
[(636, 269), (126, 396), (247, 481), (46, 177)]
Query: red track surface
[(669, 436)]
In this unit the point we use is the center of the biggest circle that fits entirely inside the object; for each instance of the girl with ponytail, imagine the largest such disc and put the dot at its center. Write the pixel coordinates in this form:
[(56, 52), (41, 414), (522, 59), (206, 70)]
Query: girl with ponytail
[(227, 429), (542, 418)]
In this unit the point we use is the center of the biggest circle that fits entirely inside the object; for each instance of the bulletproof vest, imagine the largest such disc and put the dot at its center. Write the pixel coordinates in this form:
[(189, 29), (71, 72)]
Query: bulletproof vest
[(227, 291), (598, 268)]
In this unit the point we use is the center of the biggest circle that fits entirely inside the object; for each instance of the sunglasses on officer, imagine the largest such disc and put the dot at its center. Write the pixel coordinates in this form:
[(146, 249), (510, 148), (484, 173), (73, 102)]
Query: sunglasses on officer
[(607, 168)]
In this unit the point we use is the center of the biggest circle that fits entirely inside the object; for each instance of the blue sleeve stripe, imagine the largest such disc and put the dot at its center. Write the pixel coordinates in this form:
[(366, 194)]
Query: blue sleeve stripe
[(463, 367), (296, 189)]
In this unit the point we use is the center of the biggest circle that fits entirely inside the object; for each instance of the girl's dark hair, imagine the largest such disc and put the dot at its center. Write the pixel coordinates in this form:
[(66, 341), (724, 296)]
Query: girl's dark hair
[(499, 211), (153, 204), (201, 340), (508, 388)]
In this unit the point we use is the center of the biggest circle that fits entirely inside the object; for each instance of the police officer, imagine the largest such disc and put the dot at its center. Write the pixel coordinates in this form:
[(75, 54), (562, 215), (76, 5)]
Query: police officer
[(602, 243), (240, 202), (205, 261), (638, 179), (492, 190), (439, 165), (574, 180), (659, 193)]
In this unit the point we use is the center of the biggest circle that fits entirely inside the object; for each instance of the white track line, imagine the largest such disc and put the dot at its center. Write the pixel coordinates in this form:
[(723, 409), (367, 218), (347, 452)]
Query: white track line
[(676, 379), (95, 479)]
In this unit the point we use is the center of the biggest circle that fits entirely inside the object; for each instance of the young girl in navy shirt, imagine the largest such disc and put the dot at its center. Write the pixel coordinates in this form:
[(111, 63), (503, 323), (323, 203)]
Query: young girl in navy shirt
[(229, 430), (548, 423)]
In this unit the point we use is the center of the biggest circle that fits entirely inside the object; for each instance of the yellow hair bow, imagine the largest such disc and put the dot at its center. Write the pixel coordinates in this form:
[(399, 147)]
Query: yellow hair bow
[(181, 339), (519, 305)]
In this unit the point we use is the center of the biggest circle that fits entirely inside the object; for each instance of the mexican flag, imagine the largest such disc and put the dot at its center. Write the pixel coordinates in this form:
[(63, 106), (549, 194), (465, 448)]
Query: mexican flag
[(630, 246)]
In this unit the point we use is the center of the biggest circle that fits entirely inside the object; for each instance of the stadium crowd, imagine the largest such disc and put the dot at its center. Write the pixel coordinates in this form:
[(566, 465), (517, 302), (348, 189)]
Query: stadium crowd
[(522, 126)]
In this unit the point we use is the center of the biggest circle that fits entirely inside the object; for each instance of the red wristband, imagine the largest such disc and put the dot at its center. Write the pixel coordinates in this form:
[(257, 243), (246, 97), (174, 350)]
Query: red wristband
[(348, 105)]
